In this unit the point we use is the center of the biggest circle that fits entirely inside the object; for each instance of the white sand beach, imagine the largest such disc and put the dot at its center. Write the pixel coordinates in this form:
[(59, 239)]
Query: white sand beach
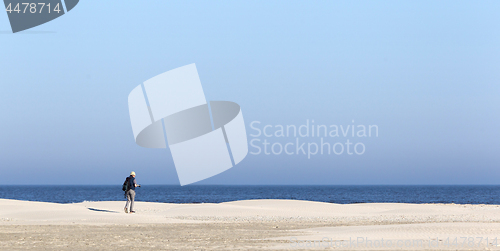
[(248, 225)]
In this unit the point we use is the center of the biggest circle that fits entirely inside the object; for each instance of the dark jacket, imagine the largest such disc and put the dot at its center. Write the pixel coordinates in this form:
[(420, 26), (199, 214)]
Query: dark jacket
[(132, 182)]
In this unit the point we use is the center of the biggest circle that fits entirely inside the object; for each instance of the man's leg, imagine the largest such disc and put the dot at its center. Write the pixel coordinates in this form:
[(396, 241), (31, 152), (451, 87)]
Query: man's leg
[(132, 198), (128, 201)]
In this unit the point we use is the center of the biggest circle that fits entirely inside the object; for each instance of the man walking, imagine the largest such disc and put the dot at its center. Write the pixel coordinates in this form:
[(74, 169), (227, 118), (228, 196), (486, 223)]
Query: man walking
[(131, 193)]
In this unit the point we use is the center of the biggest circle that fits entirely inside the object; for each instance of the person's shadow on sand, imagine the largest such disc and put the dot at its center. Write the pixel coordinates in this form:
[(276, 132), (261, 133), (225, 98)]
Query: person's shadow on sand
[(101, 210)]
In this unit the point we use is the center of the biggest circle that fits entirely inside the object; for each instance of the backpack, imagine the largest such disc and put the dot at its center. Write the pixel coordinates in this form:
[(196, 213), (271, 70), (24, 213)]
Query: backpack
[(126, 184)]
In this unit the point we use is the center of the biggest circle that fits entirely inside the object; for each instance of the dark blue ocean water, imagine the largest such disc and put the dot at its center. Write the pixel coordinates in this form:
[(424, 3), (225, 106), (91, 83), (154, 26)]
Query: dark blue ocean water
[(215, 194)]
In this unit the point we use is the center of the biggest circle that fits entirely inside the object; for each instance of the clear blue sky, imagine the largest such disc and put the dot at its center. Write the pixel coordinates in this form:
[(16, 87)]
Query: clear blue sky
[(426, 72)]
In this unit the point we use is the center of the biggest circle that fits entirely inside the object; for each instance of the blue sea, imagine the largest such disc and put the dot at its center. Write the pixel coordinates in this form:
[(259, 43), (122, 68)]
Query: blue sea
[(216, 194)]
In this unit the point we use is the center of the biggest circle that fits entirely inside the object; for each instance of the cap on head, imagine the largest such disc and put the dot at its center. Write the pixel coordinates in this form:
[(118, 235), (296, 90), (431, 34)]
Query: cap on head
[(132, 173)]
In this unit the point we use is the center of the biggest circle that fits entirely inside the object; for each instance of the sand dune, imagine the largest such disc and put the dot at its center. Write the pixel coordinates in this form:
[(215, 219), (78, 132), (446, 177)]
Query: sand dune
[(253, 224)]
